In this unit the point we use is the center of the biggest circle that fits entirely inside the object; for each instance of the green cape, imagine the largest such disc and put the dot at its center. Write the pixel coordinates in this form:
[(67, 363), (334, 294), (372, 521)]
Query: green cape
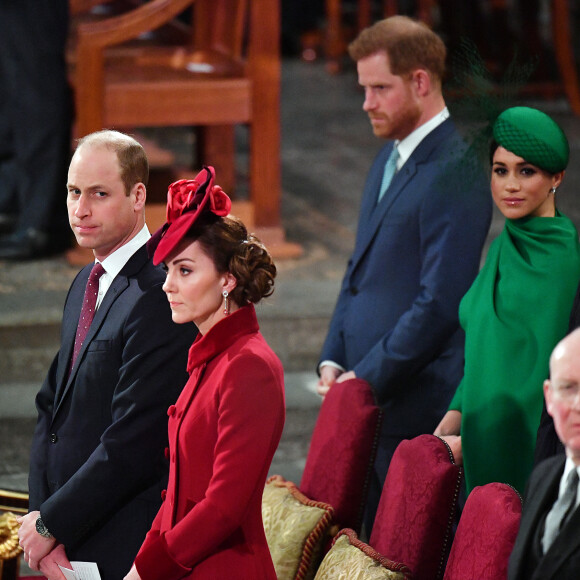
[(513, 315)]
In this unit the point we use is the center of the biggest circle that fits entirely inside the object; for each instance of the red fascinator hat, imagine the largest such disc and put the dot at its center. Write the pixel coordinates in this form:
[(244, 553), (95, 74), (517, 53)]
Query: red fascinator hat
[(187, 199)]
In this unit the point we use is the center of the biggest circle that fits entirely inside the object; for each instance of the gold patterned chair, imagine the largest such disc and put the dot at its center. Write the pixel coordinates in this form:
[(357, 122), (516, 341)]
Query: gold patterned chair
[(12, 503), (300, 521)]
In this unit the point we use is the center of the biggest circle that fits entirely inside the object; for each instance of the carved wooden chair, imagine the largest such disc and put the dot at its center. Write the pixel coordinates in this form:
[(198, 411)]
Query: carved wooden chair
[(228, 73)]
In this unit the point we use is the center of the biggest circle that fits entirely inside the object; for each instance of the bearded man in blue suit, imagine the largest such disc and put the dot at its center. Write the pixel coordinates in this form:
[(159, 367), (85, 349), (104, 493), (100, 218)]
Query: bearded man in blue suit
[(424, 217)]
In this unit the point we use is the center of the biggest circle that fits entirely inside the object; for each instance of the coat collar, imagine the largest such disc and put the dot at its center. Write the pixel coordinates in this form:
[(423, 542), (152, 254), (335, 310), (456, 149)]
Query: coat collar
[(222, 335)]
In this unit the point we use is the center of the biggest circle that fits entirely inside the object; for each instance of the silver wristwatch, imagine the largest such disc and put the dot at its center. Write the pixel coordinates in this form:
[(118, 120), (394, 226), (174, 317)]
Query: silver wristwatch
[(42, 529)]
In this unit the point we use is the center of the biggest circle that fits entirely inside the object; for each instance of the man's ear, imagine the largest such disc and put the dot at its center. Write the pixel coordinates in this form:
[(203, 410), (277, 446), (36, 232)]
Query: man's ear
[(421, 82), (140, 192), (548, 396)]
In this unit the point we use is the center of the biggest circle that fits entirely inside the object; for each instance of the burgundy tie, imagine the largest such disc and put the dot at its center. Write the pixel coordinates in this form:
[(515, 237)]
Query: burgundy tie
[(88, 309)]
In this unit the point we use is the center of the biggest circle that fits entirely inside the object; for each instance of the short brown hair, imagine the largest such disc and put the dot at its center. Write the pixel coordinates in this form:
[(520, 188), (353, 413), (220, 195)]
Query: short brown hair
[(227, 242), (130, 153), (409, 45)]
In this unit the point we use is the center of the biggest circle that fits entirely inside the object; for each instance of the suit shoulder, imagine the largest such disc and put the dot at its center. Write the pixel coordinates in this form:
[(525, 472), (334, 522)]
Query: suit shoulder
[(546, 468), (548, 465), (151, 275), (254, 353)]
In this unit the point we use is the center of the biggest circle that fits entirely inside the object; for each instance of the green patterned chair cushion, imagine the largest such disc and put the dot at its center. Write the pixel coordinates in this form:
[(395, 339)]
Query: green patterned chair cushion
[(296, 529), (351, 559)]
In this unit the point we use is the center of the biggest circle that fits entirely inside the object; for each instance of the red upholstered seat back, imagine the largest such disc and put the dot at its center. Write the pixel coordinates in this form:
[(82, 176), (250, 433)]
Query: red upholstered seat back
[(342, 451), (417, 506), (486, 534)]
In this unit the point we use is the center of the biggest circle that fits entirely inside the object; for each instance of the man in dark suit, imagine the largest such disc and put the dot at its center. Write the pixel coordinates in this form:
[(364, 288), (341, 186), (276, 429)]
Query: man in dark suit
[(418, 243), (548, 541), (547, 442), (97, 465)]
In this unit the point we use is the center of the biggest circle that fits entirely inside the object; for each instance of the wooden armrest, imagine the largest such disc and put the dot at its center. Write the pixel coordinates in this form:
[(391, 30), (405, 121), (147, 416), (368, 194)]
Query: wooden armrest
[(81, 6), (130, 25), (13, 501)]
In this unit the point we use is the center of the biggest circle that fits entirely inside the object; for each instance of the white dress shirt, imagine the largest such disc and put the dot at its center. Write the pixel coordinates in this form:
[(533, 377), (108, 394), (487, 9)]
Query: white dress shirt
[(114, 263)]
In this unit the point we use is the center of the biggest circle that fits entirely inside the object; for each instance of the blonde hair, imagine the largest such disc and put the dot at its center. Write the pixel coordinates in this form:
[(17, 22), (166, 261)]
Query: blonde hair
[(130, 153)]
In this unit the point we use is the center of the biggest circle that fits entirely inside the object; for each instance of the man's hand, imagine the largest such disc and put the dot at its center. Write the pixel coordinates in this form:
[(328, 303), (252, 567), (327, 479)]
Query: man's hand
[(346, 377), (133, 574), (35, 546), (49, 564), (328, 376)]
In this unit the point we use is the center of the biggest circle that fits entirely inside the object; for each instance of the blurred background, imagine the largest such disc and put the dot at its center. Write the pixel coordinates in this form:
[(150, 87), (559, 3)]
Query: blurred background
[(266, 93)]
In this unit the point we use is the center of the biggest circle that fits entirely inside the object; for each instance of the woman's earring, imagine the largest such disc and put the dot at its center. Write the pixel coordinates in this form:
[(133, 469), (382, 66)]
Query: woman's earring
[(225, 294), (553, 190)]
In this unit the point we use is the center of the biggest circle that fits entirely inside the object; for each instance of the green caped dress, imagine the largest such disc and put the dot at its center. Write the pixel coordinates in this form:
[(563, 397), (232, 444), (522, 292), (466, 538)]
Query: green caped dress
[(513, 315)]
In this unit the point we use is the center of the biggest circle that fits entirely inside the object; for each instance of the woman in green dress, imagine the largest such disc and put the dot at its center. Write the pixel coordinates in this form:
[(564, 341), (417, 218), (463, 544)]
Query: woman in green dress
[(518, 307)]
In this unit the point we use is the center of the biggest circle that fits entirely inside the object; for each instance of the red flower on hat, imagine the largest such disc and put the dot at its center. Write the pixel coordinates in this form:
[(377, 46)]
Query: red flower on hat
[(184, 196), (181, 198), (219, 202)]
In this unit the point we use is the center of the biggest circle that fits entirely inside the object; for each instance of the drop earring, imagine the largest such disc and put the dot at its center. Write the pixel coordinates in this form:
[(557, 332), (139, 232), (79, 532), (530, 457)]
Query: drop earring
[(553, 190), (225, 294)]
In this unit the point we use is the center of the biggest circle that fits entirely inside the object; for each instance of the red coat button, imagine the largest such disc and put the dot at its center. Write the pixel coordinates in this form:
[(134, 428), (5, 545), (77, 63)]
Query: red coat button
[(163, 495), (171, 411), (167, 453)]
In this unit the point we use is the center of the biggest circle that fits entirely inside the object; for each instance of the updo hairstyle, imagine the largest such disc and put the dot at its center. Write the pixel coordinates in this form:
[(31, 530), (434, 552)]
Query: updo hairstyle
[(227, 242)]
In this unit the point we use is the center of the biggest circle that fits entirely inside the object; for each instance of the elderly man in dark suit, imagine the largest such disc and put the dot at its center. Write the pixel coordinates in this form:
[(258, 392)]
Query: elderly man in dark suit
[(97, 465), (548, 541), (424, 217)]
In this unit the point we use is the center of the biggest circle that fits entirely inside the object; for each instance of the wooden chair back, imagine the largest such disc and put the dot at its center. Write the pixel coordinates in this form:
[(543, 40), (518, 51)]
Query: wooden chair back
[(227, 74)]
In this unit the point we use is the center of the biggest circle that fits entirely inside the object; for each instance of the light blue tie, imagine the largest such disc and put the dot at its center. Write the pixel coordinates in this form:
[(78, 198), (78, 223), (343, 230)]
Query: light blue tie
[(390, 170)]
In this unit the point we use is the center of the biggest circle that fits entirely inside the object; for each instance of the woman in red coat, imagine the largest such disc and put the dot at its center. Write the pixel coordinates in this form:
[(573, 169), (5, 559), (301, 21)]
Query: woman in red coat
[(226, 424)]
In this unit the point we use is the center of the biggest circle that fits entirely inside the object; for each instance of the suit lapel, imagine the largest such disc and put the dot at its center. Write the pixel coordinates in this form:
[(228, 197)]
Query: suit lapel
[(535, 506), (372, 215), (69, 328), (566, 543), (371, 192), (118, 286)]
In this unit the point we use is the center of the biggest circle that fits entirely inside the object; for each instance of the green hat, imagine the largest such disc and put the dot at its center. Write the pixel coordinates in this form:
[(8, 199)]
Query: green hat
[(533, 136)]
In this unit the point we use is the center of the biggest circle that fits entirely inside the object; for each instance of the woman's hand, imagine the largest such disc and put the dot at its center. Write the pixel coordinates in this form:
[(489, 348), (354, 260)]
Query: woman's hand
[(449, 430), (449, 425), (133, 574), (454, 442)]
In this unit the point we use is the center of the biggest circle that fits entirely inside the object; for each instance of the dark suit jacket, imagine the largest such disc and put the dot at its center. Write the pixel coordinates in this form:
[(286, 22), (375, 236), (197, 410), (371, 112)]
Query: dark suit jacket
[(547, 442), (562, 561), (94, 472), (396, 320)]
